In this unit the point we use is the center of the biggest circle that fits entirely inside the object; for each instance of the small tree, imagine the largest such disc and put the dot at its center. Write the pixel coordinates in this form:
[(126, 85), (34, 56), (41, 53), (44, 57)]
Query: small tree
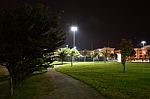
[(126, 50), (105, 54), (73, 53), (95, 54), (62, 52), (84, 54)]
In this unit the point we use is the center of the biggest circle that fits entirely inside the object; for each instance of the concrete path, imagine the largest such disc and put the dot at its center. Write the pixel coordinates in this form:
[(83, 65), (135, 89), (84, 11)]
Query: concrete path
[(69, 88)]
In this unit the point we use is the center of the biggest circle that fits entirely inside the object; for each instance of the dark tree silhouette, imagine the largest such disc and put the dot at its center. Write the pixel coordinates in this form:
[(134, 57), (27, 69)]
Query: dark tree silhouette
[(126, 50), (24, 34)]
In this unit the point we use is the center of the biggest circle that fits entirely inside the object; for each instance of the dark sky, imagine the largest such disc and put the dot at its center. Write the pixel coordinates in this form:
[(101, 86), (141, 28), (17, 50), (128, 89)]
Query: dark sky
[(100, 22)]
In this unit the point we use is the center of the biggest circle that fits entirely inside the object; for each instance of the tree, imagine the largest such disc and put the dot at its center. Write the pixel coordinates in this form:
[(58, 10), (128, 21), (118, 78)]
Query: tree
[(62, 52), (95, 54), (73, 53), (85, 52), (24, 34), (105, 54), (126, 50)]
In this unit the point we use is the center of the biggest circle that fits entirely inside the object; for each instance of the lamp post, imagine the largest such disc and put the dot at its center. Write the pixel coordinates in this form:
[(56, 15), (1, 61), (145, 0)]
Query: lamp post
[(143, 42), (74, 29)]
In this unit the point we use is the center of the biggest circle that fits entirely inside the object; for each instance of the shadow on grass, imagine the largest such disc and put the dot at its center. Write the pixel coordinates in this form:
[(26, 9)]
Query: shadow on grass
[(60, 63), (4, 88), (4, 77)]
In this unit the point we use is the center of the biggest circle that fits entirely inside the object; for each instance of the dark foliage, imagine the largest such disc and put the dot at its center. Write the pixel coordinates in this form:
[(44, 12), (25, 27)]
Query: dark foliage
[(126, 50), (25, 33)]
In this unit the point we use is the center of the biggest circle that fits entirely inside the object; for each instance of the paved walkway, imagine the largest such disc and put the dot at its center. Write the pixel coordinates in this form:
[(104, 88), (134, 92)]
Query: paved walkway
[(69, 88)]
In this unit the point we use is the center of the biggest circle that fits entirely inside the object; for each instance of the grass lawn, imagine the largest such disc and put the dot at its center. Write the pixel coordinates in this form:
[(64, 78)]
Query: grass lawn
[(4, 89), (109, 80), (31, 88)]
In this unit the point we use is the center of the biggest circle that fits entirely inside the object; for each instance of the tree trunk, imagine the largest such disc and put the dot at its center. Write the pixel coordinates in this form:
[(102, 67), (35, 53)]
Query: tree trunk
[(62, 61), (124, 68), (11, 85), (104, 59), (84, 58), (105, 56), (71, 61)]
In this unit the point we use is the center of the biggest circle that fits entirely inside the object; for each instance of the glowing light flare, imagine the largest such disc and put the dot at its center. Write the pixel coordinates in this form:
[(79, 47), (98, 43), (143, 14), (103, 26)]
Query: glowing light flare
[(143, 42), (74, 28)]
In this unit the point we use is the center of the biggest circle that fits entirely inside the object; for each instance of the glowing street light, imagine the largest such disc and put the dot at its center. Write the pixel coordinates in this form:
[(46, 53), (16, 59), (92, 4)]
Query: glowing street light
[(74, 29), (143, 42)]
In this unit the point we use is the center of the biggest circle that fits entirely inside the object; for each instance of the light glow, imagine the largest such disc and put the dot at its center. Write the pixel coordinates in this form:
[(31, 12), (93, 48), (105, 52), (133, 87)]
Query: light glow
[(75, 47), (143, 42), (74, 28)]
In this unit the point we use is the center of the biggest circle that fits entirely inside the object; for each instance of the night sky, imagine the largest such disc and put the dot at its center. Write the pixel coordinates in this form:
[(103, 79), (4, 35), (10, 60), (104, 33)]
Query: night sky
[(100, 22)]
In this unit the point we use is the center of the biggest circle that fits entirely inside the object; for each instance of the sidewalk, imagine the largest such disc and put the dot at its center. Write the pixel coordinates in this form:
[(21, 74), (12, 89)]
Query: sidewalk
[(69, 88)]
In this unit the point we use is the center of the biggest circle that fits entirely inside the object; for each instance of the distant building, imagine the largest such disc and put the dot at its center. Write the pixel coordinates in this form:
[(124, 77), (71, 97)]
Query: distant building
[(105, 50), (141, 53), (117, 51), (108, 50), (86, 53)]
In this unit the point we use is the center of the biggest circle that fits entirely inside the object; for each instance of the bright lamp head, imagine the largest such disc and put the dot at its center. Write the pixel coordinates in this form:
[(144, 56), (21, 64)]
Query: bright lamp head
[(143, 42), (74, 28)]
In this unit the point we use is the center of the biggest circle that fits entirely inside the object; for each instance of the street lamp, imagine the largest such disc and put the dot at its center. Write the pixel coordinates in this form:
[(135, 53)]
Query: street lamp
[(143, 50), (143, 42), (74, 29)]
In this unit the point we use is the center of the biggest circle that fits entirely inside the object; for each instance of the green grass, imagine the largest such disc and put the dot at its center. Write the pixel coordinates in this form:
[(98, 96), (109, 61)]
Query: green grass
[(31, 88), (4, 90), (109, 80)]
